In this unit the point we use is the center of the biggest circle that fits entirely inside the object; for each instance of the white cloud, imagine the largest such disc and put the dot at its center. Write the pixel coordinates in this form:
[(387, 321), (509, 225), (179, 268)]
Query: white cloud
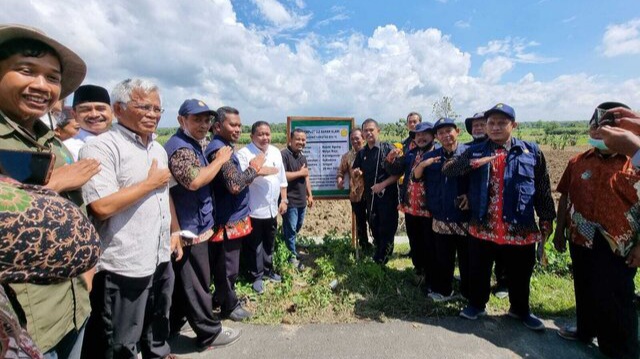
[(340, 15), (621, 39), (493, 69), (515, 49), (384, 74), (569, 19), (463, 24), (281, 17)]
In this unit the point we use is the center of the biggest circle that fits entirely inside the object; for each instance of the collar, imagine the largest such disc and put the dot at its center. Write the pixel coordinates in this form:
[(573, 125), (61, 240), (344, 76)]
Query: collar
[(6, 127), (254, 149), (376, 144), (83, 135), (449, 153), (202, 143), (42, 131), (295, 154), (223, 140), (134, 136), (513, 142), (599, 154)]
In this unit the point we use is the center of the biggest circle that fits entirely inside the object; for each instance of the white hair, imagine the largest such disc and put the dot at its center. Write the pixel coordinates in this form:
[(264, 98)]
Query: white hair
[(121, 92)]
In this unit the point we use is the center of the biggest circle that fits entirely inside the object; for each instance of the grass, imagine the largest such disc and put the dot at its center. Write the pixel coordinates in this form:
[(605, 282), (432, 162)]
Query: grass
[(367, 291)]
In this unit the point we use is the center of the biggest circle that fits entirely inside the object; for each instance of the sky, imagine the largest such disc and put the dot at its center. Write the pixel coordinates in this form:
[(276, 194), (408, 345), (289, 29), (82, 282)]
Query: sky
[(549, 59)]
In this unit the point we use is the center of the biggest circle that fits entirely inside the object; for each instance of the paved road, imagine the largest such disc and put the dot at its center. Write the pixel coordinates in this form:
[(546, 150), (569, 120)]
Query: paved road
[(443, 338)]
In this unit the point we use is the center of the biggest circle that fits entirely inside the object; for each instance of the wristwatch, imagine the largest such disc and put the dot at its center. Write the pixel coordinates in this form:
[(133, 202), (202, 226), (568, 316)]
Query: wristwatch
[(286, 201)]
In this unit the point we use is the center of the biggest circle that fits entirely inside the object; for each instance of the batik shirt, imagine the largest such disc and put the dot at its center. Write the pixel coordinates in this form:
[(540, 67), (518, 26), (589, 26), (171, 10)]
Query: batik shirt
[(493, 227), (45, 239), (602, 196)]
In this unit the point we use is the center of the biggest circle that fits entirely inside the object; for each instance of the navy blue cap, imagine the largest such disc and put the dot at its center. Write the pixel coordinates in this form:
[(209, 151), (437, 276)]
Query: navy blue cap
[(444, 122), (503, 109), (468, 122), (422, 127), (193, 107)]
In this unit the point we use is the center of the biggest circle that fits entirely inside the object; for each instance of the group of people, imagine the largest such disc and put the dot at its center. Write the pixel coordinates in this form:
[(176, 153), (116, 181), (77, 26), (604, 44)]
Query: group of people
[(489, 202), (170, 220)]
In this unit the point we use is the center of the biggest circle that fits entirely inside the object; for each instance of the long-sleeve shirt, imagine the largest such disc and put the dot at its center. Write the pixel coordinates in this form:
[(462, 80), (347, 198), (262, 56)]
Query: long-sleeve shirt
[(493, 227), (602, 196), (356, 184)]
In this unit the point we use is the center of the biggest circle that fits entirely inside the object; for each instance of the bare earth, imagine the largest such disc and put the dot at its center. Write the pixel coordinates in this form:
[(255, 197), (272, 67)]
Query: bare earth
[(328, 215)]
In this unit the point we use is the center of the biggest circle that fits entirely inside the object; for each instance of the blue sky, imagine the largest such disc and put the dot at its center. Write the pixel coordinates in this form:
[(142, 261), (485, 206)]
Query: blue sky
[(567, 33), (550, 59)]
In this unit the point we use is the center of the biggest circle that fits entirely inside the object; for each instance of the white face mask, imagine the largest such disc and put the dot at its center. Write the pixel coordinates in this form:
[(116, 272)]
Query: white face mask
[(479, 137), (186, 132), (599, 144)]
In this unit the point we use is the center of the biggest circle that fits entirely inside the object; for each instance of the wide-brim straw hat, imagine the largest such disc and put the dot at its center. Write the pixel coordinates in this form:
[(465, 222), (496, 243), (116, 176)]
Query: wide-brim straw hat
[(73, 68)]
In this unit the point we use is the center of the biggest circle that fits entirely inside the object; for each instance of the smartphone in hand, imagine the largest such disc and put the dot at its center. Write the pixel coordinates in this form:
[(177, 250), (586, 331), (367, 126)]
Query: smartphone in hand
[(27, 166)]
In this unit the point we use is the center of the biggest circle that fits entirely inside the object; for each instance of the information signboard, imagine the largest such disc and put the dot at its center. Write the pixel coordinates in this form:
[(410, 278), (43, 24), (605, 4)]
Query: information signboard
[(327, 141)]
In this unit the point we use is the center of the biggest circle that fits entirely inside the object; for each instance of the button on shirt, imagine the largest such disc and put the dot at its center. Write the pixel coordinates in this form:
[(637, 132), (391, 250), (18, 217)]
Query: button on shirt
[(264, 191), (137, 239)]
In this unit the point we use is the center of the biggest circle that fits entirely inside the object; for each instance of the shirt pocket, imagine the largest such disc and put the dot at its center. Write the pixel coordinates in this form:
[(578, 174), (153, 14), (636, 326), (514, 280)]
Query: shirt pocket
[(525, 199), (526, 167)]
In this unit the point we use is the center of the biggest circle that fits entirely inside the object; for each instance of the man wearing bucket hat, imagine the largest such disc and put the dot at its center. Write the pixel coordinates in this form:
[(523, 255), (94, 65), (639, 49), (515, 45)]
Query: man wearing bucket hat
[(35, 72), (508, 184), (413, 203), (603, 243), (476, 126)]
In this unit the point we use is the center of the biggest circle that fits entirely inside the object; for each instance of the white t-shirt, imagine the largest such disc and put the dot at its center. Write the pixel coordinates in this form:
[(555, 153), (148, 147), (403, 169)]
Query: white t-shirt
[(264, 191)]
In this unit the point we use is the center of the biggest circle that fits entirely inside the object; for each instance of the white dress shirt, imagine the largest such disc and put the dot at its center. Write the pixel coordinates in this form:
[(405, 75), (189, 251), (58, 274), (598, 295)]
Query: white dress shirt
[(75, 143), (264, 191)]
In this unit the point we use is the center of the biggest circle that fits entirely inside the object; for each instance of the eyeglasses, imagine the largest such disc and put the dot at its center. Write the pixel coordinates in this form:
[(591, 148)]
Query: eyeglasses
[(148, 108)]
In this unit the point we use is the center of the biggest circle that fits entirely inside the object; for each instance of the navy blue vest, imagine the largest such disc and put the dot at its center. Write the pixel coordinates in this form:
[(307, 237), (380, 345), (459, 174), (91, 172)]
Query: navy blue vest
[(195, 209), (409, 158), (230, 207), (442, 191), (519, 182)]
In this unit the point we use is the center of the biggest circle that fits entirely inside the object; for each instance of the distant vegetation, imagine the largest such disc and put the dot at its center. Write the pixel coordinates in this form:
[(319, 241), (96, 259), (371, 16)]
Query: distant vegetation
[(557, 135)]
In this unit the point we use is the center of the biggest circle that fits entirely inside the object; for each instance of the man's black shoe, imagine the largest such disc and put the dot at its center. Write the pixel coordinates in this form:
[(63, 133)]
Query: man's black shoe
[(239, 314)]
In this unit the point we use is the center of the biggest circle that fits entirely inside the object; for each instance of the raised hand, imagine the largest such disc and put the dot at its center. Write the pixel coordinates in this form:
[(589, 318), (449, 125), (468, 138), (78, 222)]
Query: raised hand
[(304, 171), (258, 161), (620, 140), (393, 154), (224, 154), (73, 176)]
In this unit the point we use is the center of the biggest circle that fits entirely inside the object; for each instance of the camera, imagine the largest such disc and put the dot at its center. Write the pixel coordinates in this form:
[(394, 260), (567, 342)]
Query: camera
[(601, 118)]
